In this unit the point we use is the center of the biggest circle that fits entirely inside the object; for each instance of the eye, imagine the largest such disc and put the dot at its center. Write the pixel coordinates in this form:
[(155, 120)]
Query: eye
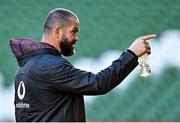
[(74, 31)]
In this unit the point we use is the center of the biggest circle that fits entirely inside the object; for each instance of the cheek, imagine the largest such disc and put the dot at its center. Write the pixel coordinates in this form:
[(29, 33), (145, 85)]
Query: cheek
[(75, 36), (69, 36)]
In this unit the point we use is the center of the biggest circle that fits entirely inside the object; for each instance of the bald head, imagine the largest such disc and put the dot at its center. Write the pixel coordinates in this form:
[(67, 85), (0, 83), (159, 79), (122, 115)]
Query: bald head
[(58, 17)]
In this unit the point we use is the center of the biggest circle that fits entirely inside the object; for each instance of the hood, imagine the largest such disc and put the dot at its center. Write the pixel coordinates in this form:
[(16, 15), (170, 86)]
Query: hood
[(23, 49)]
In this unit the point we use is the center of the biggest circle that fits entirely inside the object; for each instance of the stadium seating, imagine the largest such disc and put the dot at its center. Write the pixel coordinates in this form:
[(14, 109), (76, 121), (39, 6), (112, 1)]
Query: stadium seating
[(105, 25)]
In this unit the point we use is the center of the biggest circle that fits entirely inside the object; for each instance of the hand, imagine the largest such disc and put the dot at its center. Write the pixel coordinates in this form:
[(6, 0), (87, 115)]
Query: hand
[(141, 45)]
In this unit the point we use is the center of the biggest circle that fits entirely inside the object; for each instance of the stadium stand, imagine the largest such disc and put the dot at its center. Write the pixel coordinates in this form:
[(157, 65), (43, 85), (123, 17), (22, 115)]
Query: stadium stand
[(105, 25)]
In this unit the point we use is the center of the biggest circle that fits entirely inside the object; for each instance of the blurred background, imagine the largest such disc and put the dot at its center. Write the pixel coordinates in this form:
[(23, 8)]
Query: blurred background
[(108, 27)]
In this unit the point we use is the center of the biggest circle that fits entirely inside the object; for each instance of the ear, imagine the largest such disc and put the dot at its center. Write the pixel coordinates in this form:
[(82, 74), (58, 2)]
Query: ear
[(58, 32)]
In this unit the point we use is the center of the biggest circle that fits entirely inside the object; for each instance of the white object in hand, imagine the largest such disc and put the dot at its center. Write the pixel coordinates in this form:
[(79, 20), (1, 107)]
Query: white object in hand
[(145, 68)]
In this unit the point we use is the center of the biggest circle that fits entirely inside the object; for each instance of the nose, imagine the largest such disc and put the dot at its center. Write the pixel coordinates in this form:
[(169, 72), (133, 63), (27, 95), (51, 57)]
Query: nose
[(77, 38)]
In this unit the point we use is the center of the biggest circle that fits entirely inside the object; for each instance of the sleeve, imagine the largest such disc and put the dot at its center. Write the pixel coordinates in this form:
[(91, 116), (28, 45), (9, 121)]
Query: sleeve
[(68, 79)]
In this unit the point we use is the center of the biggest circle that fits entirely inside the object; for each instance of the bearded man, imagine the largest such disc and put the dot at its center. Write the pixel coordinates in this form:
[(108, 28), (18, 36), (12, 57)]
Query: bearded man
[(48, 87)]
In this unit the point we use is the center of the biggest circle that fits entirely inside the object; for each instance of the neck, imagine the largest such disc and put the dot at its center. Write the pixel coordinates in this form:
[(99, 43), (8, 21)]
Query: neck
[(51, 41)]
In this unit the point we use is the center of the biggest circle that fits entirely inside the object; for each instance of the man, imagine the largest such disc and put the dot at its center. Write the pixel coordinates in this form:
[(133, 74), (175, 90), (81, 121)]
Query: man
[(48, 87)]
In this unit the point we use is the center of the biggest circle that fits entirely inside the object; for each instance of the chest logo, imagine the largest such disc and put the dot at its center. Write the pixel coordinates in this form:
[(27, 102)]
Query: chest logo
[(21, 90)]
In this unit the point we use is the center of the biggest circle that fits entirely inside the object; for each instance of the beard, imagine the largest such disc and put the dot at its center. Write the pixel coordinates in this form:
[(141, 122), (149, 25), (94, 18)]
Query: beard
[(67, 48)]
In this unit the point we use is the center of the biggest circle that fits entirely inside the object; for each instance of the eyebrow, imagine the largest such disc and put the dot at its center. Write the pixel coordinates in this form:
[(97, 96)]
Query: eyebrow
[(76, 29)]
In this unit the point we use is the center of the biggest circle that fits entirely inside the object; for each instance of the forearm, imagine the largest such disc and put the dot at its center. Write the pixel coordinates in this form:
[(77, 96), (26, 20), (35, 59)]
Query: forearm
[(117, 72)]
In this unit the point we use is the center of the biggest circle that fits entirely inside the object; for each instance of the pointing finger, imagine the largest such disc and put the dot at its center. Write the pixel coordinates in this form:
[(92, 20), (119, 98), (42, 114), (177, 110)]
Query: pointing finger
[(147, 37)]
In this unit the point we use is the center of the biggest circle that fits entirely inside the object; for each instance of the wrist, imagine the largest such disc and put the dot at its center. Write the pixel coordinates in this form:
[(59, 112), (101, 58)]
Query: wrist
[(128, 50)]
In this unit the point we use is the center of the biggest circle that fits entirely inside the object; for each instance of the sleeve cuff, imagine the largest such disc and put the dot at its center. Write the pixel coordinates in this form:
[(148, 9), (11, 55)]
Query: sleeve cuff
[(132, 53)]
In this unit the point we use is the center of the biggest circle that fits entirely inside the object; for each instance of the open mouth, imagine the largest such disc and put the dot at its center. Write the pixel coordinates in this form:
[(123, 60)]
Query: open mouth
[(73, 44)]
